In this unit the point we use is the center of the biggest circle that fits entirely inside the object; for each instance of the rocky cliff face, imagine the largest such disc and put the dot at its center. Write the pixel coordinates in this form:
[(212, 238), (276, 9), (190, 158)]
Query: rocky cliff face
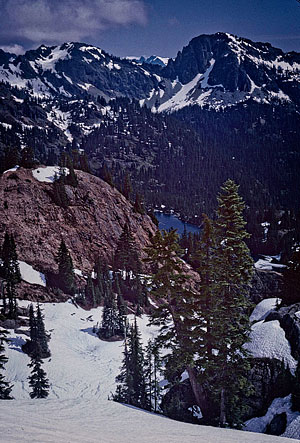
[(90, 226), (265, 284)]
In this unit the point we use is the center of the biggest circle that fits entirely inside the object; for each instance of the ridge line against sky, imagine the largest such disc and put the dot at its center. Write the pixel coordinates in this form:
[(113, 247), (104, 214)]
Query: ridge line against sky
[(145, 27)]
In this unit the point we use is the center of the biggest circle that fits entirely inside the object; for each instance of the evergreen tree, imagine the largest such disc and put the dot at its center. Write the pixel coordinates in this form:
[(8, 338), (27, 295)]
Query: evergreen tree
[(59, 194), (204, 298), (138, 205), (101, 275), (230, 325), (11, 273), (84, 163), (11, 158), (296, 389), (106, 175), (70, 178), (152, 371), (27, 158), (110, 319), (122, 309), (10, 270), (66, 276), (41, 336), (291, 279), (127, 186), (132, 386), (126, 257), (90, 292), (38, 344), (5, 387), (174, 312), (32, 324), (38, 379)]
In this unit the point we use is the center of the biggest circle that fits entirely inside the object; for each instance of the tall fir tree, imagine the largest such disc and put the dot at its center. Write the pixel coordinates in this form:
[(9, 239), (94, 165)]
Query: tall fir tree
[(32, 324), (110, 324), (152, 372), (296, 389), (175, 310), (202, 331), (138, 204), (27, 158), (41, 336), (38, 343), (59, 194), (66, 275), (230, 326), (71, 178), (5, 387), (90, 292), (126, 257), (10, 271), (127, 186), (291, 279), (38, 379), (131, 386)]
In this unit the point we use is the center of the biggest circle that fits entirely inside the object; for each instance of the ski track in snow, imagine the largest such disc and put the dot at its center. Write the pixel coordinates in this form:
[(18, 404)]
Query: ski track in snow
[(81, 372)]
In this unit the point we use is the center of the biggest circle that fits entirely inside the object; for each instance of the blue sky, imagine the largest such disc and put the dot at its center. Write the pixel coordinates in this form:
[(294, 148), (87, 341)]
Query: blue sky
[(136, 27)]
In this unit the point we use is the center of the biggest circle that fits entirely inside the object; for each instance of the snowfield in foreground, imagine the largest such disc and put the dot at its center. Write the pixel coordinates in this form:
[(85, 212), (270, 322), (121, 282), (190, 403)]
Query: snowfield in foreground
[(81, 372)]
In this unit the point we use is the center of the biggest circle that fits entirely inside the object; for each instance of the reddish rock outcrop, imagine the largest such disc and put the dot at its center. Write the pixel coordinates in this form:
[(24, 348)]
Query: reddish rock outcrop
[(90, 226)]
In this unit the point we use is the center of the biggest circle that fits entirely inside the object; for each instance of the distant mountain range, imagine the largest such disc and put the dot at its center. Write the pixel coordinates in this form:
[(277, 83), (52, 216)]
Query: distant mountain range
[(152, 60), (216, 70)]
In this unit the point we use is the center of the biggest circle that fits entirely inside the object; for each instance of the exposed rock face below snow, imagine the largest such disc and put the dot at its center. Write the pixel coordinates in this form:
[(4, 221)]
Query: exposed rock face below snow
[(269, 381), (90, 226), (289, 319)]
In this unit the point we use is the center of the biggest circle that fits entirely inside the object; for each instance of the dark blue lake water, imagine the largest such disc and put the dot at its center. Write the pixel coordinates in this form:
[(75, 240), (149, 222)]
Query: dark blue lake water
[(168, 221)]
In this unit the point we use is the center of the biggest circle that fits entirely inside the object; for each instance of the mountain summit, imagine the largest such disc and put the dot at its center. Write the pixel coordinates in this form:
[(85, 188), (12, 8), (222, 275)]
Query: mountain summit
[(216, 70)]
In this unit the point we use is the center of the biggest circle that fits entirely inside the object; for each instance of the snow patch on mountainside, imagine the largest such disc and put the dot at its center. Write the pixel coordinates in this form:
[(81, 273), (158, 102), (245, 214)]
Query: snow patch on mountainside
[(182, 97), (30, 275), (62, 120), (48, 62), (15, 168), (48, 173)]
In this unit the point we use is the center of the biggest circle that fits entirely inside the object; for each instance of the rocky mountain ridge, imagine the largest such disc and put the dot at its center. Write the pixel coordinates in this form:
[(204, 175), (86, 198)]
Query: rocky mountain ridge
[(217, 70)]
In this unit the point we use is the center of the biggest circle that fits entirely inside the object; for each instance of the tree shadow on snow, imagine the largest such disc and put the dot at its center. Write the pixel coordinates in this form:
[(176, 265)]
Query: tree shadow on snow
[(89, 331), (145, 411), (16, 344)]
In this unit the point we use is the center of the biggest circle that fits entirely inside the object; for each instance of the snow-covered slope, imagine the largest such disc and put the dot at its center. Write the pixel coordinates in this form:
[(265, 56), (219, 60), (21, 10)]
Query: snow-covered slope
[(82, 371)]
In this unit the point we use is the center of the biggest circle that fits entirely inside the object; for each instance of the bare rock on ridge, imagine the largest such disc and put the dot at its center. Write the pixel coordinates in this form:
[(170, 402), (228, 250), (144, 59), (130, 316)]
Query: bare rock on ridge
[(90, 226)]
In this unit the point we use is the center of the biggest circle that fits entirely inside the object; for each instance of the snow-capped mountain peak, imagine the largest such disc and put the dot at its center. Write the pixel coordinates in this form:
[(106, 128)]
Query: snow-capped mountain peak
[(216, 70)]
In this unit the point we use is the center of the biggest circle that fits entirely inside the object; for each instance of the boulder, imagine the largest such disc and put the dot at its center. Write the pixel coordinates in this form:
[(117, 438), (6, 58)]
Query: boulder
[(269, 380), (265, 284), (278, 424), (289, 319)]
